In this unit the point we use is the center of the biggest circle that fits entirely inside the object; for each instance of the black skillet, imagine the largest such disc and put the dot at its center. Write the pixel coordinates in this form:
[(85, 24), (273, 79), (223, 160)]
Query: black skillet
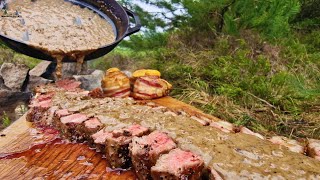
[(108, 9)]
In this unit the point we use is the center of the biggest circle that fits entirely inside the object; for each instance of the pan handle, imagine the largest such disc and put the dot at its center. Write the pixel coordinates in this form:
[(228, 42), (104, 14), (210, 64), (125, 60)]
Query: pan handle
[(137, 21)]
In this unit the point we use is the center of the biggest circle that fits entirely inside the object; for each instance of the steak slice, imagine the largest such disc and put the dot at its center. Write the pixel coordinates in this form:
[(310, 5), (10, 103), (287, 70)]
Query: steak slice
[(38, 107), (92, 125), (68, 84), (88, 128), (44, 97), (117, 145), (224, 126), (146, 150), (41, 117), (99, 139), (178, 164), (245, 130), (34, 115), (291, 144), (213, 175), (57, 115), (314, 148), (62, 112), (68, 124), (48, 117)]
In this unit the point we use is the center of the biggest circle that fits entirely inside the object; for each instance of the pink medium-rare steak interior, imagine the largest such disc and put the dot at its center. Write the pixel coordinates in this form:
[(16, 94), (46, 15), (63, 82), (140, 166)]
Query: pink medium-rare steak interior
[(44, 97), (146, 150), (101, 136), (68, 84), (93, 123), (137, 130), (42, 104), (62, 112), (124, 135), (74, 118), (159, 142), (179, 164)]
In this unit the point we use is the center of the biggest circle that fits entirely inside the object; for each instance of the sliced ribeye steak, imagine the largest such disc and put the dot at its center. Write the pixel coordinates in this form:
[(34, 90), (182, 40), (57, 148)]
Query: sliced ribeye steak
[(178, 164), (117, 152), (146, 150)]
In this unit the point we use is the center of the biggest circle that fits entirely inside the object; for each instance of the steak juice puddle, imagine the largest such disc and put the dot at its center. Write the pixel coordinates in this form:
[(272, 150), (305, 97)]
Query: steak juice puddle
[(60, 159)]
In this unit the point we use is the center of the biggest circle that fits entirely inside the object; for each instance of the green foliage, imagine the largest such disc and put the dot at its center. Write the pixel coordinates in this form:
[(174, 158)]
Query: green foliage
[(312, 41), (9, 56), (307, 24), (166, 17), (6, 121), (204, 14), (147, 41), (270, 17), (200, 22), (309, 10)]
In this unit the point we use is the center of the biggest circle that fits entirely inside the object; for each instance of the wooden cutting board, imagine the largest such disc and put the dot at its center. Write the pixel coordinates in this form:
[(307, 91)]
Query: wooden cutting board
[(26, 153)]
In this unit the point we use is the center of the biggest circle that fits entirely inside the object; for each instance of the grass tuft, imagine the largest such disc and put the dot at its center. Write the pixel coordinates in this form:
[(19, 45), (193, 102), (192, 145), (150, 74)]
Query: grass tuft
[(6, 121)]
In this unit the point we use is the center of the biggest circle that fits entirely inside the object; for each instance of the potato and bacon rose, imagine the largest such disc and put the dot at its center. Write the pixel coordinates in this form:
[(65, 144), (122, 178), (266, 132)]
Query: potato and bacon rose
[(145, 83), (115, 83), (149, 85)]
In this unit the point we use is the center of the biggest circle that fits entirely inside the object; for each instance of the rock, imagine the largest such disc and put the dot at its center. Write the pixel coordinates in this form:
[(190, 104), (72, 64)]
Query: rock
[(92, 81), (35, 81), (1, 82), (40, 69), (69, 70), (14, 75), (8, 98), (2, 86)]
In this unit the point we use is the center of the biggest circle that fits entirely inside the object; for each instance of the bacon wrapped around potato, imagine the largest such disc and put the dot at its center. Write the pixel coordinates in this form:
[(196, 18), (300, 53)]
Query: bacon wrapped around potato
[(150, 87), (115, 83)]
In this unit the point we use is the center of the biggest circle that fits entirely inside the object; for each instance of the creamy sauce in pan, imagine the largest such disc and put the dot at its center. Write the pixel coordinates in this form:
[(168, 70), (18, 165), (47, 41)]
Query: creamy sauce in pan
[(57, 27)]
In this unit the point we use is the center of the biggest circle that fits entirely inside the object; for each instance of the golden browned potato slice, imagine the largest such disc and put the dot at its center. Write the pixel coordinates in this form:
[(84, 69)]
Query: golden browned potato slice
[(146, 72)]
